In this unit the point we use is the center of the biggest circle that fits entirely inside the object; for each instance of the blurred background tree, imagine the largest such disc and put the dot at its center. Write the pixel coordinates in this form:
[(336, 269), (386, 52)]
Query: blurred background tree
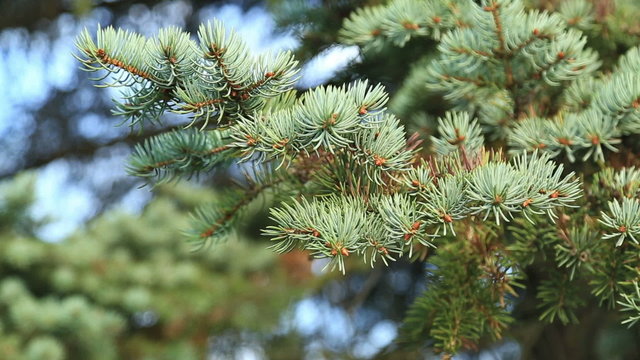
[(127, 288)]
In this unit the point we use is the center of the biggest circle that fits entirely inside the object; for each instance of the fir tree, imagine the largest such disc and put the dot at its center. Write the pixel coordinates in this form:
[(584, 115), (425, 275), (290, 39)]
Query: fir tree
[(487, 205), (124, 288)]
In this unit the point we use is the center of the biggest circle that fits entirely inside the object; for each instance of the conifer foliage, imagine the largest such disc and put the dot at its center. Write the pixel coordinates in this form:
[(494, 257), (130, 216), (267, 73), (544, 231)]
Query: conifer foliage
[(486, 201)]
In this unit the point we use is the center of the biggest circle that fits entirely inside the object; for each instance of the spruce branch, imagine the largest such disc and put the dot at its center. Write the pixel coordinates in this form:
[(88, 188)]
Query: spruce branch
[(559, 300), (223, 81), (631, 303), (578, 14), (619, 98), (446, 203), (576, 250), (494, 190), (117, 51), (398, 22), (168, 156), (149, 69), (213, 222), (332, 228), (331, 119), (383, 149), (457, 131), (460, 306), (609, 183), (624, 220)]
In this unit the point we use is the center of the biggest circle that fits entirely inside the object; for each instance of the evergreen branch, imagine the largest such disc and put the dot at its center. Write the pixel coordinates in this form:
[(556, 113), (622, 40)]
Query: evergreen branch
[(624, 220), (228, 54), (459, 307), (631, 303), (126, 57), (457, 131), (619, 98), (196, 106), (178, 153), (565, 59), (165, 73), (514, 76), (399, 21), (383, 148), (605, 285), (558, 299), (494, 9), (115, 50), (577, 250), (578, 14), (237, 75), (624, 183), (331, 228), (581, 93), (629, 61), (105, 59), (215, 221), (327, 118)]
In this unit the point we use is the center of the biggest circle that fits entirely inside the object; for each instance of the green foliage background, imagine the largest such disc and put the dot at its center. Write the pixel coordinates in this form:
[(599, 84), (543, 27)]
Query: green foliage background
[(130, 287)]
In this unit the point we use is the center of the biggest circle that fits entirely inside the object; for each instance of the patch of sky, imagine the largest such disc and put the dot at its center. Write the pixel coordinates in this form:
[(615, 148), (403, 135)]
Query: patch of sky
[(325, 65), (64, 206)]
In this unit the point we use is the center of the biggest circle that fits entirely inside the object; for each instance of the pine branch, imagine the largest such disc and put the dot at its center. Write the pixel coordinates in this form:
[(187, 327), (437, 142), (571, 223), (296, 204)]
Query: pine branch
[(213, 222), (179, 153)]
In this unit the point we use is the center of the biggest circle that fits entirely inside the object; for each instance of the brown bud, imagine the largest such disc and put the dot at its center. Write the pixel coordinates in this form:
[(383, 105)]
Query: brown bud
[(250, 140), (410, 26), (565, 141), (379, 161)]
